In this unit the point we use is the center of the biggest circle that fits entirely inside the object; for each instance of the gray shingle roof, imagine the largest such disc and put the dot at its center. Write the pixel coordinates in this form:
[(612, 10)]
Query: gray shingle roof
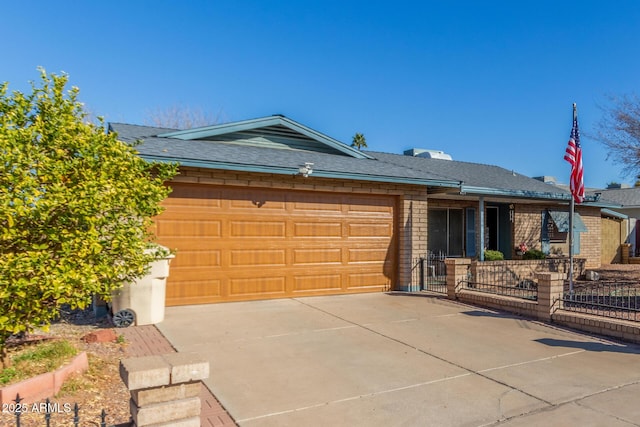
[(474, 177), (627, 197), (203, 153)]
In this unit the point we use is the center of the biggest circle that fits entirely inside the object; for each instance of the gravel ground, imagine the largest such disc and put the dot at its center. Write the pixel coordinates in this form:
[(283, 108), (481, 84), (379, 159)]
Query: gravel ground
[(97, 389), (617, 273)]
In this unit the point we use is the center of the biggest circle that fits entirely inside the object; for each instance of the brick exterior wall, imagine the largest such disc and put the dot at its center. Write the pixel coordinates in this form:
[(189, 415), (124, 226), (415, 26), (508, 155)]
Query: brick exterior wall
[(527, 228), (411, 204), (411, 213)]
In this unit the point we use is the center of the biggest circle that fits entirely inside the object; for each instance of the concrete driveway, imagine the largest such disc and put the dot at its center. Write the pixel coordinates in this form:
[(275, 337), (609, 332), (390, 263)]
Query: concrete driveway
[(403, 360)]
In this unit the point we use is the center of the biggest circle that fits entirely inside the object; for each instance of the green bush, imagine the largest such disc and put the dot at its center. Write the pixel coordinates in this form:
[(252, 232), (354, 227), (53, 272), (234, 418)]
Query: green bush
[(76, 206), (534, 254), (490, 255)]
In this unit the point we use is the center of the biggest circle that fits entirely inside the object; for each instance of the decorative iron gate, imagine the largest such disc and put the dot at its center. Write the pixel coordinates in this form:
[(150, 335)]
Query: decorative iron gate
[(431, 272)]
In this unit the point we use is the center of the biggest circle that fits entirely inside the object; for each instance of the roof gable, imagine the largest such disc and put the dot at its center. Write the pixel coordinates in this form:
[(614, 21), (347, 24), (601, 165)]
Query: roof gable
[(274, 132)]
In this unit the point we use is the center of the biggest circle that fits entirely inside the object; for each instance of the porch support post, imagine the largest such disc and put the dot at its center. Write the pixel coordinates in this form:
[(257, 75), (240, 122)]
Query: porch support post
[(481, 209)]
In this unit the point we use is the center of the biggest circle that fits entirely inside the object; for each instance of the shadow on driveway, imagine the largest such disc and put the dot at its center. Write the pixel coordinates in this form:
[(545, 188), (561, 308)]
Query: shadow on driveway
[(590, 346)]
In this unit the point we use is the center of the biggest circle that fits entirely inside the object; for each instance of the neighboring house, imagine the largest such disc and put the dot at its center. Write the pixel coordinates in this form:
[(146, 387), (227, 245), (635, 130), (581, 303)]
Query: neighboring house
[(269, 208), (620, 222)]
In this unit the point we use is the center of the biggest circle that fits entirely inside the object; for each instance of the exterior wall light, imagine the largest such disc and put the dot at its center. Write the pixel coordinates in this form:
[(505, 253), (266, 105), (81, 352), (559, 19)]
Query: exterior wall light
[(306, 170)]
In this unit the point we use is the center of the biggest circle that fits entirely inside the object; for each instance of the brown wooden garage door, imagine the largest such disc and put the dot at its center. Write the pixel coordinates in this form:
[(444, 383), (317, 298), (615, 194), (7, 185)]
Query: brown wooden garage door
[(236, 244)]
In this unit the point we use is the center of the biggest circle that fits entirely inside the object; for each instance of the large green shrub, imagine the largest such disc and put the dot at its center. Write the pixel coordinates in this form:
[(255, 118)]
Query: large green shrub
[(490, 255), (76, 206)]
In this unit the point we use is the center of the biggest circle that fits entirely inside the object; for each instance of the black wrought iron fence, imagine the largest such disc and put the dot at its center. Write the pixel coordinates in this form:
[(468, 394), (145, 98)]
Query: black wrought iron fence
[(430, 272), (618, 300), (49, 412), (507, 278)]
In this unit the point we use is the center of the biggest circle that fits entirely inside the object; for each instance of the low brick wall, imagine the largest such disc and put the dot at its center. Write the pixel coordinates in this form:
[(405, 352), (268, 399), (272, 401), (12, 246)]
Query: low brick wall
[(621, 329), (550, 287), (499, 302)]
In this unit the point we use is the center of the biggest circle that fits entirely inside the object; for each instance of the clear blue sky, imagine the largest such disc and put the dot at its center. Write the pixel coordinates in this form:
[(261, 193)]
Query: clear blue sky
[(485, 81)]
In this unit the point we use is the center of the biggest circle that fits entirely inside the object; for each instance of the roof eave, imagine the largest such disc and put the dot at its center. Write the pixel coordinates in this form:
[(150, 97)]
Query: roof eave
[(614, 213), (295, 171), (592, 201), (513, 193)]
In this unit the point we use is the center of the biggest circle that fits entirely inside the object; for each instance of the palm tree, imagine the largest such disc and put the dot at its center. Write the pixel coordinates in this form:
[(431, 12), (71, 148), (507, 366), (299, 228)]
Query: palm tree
[(359, 141)]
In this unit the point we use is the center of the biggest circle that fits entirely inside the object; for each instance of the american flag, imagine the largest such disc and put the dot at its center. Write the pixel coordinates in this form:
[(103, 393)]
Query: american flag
[(573, 155)]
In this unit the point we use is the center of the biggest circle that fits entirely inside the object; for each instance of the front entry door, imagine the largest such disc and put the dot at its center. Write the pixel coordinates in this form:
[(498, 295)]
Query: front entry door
[(492, 229)]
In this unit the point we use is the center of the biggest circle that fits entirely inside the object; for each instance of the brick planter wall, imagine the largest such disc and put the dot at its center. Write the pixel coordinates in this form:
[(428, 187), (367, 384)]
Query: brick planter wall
[(45, 385)]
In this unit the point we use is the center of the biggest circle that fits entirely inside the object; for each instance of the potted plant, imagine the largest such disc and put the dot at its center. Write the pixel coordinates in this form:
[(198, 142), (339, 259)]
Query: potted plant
[(521, 249)]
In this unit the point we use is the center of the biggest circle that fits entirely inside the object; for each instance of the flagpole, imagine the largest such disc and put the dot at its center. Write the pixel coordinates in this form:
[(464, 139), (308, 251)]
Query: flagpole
[(571, 211)]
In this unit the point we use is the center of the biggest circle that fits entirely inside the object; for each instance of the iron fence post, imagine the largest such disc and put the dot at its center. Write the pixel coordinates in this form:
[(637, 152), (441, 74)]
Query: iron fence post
[(47, 413), (76, 415), (18, 399)]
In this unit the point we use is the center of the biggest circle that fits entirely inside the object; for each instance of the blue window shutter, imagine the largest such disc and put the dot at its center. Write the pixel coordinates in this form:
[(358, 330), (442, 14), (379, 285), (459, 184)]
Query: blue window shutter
[(471, 232), (576, 242)]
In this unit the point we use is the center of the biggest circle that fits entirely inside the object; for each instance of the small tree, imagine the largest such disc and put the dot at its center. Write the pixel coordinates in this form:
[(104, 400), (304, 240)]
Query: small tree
[(180, 117), (76, 206), (359, 141), (619, 131)]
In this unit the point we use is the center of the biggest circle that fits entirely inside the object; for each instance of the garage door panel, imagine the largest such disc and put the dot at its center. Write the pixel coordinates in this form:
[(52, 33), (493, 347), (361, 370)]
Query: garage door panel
[(191, 244), (257, 257), (209, 258), (253, 229), (257, 244), (315, 208), (255, 200), (257, 286), (193, 196), (180, 228), (319, 256), (367, 280), (367, 255), (317, 230), (370, 230), (317, 283), (240, 199), (193, 290)]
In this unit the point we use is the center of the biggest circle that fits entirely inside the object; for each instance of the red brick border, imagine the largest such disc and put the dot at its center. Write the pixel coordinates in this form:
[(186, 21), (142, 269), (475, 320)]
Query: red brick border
[(45, 385)]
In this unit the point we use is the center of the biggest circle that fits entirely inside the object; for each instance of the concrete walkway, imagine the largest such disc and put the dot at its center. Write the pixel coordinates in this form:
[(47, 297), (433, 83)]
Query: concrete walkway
[(381, 360)]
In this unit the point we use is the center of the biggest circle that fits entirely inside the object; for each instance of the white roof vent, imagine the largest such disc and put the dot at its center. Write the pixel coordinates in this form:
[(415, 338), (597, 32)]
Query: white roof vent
[(429, 154)]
